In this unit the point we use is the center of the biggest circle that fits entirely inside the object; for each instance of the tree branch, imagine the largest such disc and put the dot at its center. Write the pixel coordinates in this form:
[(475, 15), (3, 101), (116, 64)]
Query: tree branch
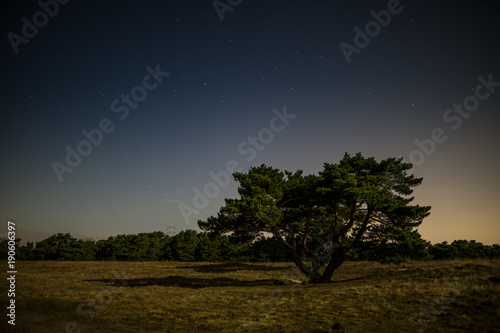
[(362, 229), (291, 199), (248, 229), (354, 210)]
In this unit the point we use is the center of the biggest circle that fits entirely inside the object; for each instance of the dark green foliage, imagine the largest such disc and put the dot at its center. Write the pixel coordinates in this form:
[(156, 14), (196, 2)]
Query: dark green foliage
[(236, 248), (188, 245), (207, 248), (184, 246), (144, 246), (396, 247), (63, 247), (27, 252), (270, 250), (464, 249)]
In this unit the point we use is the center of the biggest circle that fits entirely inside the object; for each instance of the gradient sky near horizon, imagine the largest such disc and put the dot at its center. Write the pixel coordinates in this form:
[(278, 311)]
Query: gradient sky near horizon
[(225, 78)]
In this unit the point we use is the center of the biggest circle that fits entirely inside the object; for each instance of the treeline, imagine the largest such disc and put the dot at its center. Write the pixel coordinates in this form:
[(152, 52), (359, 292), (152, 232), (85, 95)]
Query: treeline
[(464, 249), (399, 252), (187, 245), (190, 245)]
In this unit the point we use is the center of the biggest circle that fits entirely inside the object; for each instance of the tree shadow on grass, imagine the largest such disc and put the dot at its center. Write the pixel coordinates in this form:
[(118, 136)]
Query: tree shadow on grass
[(231, 267), (187, 282), (359, 278), (198, 283)]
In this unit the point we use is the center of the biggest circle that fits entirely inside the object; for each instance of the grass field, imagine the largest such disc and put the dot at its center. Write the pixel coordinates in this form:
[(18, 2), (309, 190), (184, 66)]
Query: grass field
[(445, 296)]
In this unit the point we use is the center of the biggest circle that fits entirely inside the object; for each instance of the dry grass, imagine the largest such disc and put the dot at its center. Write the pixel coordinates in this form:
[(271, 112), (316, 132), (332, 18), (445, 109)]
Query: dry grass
[(447, 296)]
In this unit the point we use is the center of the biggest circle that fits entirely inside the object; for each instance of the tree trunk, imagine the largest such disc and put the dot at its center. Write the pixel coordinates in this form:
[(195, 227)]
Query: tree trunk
[(291, 248), (338, 258), (300, 264)]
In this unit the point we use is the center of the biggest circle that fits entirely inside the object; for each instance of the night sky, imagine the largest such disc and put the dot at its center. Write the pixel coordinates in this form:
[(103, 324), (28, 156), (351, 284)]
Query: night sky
[(159, 98)]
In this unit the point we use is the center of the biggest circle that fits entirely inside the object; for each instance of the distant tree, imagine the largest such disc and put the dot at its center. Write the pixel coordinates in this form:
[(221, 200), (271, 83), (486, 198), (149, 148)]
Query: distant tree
[(494, 251), (166, 249), (63, 247), (236, 248), (27, 252), (105, 249), (155, 244), (207, 248), (115, 248), (184, 246), (143, 246), (441, 251), (464, 249), (394, 247), (356, 198), (269, 249)]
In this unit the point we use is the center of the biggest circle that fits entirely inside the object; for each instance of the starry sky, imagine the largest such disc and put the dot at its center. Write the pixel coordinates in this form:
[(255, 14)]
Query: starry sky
[(120, 117)]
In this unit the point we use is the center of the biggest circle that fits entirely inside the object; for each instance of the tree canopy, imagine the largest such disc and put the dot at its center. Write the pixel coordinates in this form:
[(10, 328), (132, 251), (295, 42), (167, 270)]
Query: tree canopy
[(324, 216)]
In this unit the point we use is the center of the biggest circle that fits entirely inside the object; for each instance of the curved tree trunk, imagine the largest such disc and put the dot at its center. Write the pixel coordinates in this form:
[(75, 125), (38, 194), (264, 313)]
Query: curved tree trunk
[(339, 256)]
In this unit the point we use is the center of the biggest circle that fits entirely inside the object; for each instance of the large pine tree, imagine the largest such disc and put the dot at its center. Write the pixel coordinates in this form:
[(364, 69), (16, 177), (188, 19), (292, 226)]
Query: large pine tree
[(324, 216)]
